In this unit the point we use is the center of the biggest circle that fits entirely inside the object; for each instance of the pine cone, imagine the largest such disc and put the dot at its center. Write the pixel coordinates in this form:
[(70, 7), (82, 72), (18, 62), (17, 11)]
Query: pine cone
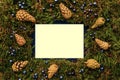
[(52, 70), (23, 15), (104, 45), (19, 65), (92, 63), (99, 22), (65, 11), (20, 40)]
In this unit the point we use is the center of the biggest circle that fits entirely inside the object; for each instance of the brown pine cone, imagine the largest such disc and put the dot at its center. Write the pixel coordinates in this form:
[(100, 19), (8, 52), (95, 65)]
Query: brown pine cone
[(65, 11), (19, 65), (52, 70), (104, 45), (92, 63), (23, 15), (99, 22), (20, 40)]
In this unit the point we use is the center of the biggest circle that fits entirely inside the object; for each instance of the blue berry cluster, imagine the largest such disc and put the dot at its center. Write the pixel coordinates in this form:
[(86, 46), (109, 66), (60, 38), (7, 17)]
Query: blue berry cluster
[(12, 34), (81, 70), (70, 72), (35, 76), (23, 28), (21, 4), (44, 74), (92, 35), (72, 60), (12, 51), (83, 6), (87, 11)]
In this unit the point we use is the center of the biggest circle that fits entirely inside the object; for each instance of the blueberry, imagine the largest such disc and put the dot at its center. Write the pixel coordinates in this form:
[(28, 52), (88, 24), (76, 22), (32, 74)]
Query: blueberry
[(36, 74), (91, 34), (107, 19), (61, 77), (81, 70), (94, 3), (21, 27), (13, 50), (23, 3), (12, 14), (12, 54), (74, 10), (90, 4), (87, 16), (10, 61), (51, 5), (95, 14), (13, 32), (74, 2), (83, 5), (19, 4), (24, 72), (69, 73), (82, 8), (102, 51), (35, 77), (9, 52), (93, 38), (43, 71), (84, 11), (89, 10), (22, 6), (11, 36), (24, 28), (56, 0), (43, 8), (19, 79), (10, 47), (46, 61), (71, 6), (72, 72), (46, 76), (101, 68), (31, 70), (55, 74)]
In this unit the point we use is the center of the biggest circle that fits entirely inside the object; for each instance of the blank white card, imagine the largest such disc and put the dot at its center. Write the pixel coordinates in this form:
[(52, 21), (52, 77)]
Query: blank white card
[(59, 41)]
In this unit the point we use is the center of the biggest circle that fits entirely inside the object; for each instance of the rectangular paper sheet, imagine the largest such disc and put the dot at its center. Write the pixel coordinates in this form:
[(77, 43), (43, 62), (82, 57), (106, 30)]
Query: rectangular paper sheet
[(59, 41)]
